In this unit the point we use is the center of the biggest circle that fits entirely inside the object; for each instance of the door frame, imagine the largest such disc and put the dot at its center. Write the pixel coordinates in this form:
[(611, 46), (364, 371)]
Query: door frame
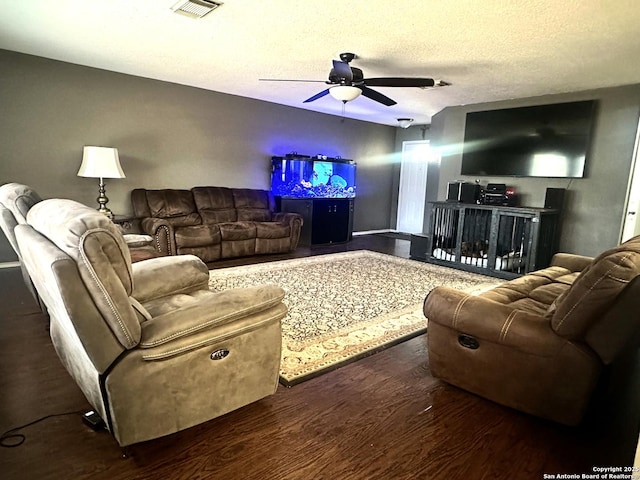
[(403, 173), (631, 219)]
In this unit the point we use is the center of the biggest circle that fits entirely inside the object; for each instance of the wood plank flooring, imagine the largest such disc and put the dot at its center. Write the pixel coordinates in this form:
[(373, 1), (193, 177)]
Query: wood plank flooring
[(383, 417)]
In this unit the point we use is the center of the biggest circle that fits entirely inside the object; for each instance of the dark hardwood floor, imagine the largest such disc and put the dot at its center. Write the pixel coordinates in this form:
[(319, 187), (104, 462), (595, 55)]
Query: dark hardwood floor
[(382, 417)]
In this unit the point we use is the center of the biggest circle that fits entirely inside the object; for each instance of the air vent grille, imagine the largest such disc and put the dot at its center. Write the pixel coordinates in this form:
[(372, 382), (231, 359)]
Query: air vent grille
[(195, 8)]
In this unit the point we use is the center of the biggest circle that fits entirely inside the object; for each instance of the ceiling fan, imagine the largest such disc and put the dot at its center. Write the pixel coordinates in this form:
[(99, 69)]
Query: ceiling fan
[(348, 83)]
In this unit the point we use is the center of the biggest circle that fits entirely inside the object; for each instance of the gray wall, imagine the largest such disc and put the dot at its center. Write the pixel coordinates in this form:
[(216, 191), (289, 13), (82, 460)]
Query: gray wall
[(168, 136), (594, 206)]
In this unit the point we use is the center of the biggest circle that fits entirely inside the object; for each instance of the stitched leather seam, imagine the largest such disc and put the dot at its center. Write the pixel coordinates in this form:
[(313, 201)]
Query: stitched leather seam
[(507, 325), (166, 233), (602, 277), (622, 280), (201, 326), (456, 313), (193, 346), (100, 285)]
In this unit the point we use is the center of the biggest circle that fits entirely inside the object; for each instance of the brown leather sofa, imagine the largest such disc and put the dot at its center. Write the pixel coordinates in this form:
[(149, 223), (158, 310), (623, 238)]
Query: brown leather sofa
[(540, 342), (215, 222)]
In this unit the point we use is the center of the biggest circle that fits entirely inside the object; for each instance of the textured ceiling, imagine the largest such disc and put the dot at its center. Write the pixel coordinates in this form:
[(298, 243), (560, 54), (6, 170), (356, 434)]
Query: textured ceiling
[(487, 49)]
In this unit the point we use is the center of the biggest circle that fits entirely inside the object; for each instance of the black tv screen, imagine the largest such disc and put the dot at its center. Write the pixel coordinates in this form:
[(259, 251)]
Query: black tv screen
[(538, 141)]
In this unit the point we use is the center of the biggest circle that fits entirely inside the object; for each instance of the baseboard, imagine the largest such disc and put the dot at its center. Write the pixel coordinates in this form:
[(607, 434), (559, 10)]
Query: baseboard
[(370, 232), (9, 264)]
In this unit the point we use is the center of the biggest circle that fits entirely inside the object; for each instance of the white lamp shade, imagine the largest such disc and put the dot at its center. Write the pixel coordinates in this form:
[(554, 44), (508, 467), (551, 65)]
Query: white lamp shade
[(405, 122), (100, 162), (344, 93)]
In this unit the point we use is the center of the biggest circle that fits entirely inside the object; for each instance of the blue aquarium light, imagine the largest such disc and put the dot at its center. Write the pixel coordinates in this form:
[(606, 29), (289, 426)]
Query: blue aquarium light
[(299, 176)]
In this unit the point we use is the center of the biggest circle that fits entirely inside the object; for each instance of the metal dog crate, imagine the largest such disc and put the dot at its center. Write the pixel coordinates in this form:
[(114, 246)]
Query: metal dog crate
[(500, 241)]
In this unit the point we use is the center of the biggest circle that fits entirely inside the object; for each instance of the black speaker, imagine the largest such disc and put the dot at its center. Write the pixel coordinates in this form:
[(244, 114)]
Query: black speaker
[(554, 198), (463, 192)]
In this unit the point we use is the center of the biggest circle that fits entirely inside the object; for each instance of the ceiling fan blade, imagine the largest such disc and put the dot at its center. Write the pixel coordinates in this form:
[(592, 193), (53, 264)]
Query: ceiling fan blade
[(376, 96), (288, 80), (342, 70), (399, 82), (317, 96)]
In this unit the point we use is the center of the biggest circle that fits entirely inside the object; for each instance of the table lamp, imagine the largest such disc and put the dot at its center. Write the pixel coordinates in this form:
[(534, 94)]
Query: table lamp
[(101, 162)]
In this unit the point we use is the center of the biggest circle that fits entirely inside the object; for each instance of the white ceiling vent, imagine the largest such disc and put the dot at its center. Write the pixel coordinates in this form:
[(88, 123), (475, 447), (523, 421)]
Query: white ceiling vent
[(195, 8)]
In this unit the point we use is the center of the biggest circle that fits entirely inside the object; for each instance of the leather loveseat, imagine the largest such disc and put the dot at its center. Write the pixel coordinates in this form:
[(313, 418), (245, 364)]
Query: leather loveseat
[(215, 222), (540, 342)]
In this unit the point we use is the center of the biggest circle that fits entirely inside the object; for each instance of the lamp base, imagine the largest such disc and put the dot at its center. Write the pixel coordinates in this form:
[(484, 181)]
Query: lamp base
[(103, 200)]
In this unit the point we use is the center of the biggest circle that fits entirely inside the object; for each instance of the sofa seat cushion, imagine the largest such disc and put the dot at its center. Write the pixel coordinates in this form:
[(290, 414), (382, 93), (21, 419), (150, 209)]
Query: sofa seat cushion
[(552, 273), (547, 294), (168, 303), (516, 289), (254, 215), (197, 236), (237, 231), (272, 230), (221, 215), (533, 293)]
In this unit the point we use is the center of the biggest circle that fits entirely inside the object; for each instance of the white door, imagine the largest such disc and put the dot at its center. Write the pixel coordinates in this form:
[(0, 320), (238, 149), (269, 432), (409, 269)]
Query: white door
[(413, 184), (631, 223)]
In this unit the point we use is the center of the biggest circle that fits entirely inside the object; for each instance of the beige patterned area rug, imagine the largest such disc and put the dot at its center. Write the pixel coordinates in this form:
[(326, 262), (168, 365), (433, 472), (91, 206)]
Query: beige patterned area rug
[(344, 306)]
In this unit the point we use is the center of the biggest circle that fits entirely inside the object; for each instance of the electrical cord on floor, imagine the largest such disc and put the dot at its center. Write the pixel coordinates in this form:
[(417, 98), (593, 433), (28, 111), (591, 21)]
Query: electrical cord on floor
[(20, 438)]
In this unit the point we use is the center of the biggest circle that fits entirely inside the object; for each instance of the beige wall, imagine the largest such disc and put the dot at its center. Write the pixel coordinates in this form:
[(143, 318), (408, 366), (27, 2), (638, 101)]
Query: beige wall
[(595, 205), (168, 136)]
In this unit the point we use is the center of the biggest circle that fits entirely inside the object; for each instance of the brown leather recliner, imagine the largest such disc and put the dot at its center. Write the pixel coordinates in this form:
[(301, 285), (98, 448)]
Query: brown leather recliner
[(215, 222), (151, 347), (540, 342)]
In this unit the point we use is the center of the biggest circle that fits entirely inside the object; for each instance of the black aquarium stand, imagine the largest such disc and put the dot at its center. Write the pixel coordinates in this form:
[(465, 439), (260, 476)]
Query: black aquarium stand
[(326, 220)]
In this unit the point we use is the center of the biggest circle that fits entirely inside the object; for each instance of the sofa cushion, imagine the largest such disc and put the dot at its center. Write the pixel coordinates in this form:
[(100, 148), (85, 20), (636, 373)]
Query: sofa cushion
[(197, 236), (252, 205), (219, 216), (535, 292), (207, 253), (595, 289), (237, 231), (169, 203), (215, 204), (272, 230), (253, 215)]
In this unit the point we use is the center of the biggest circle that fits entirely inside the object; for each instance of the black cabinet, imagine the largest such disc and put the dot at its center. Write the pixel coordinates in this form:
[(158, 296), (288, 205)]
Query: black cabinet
[(494, 240), (325, 220)]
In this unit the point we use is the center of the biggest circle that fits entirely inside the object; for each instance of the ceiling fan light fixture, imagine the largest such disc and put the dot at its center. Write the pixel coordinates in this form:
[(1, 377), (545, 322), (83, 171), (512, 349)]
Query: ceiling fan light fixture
[(344, 93), (405, 122), (195, 8)]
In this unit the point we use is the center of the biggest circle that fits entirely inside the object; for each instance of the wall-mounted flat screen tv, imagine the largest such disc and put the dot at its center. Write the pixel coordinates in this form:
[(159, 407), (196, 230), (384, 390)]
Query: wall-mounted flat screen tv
[(537, 141), (298, 176)]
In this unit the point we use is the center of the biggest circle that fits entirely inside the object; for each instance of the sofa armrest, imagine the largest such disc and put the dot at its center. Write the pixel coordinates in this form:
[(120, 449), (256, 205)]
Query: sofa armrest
[(492, 321), (294, 221), (134, 240), (215, 317), (162, 232), (161, 276), (570, 261), (288, 218)]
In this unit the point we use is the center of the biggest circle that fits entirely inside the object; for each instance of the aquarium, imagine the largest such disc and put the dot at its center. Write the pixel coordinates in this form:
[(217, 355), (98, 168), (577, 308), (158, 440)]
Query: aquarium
[(313, 177)]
